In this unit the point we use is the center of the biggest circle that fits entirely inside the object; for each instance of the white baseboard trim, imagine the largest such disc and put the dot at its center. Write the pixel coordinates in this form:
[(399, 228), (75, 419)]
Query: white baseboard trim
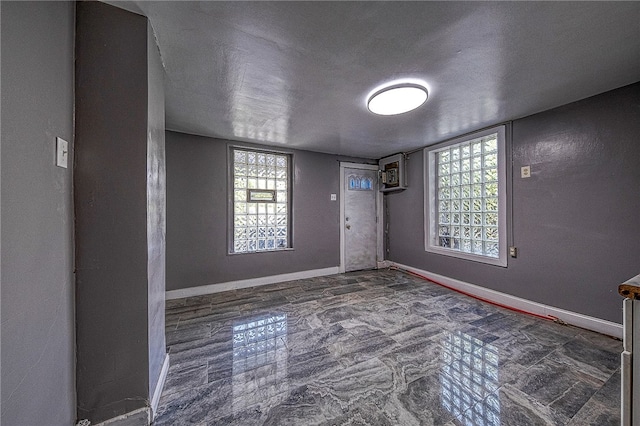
[(155, 400), (135, 417), (383, 264), (579, 320), (252, 282)]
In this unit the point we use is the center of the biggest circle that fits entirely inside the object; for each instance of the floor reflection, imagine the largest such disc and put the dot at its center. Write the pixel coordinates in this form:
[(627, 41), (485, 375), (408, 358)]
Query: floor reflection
[(259, 359), (469, 380)]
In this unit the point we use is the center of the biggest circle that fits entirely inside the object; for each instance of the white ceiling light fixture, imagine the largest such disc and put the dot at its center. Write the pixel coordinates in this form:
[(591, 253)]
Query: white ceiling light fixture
[(397, 98)]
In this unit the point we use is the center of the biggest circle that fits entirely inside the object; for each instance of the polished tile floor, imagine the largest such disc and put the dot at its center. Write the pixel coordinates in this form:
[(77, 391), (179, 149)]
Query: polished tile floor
[(379, 348)]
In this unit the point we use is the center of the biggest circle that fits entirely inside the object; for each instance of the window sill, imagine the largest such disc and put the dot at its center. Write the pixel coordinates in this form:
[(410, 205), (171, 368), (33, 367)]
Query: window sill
[(261, 251), (495, 261)]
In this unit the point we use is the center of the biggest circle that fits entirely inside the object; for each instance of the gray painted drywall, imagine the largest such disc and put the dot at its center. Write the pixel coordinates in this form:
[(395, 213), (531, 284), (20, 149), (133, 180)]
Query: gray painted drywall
[(38, 377), (197, 220), (156, 211), (119, 205), (575, 220)]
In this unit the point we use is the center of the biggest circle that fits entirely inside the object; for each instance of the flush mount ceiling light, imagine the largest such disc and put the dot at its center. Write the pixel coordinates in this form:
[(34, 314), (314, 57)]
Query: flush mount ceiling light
[(397, 98)]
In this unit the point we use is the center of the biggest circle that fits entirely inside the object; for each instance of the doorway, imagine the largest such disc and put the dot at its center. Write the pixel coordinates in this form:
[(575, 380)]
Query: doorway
[(360, 217)]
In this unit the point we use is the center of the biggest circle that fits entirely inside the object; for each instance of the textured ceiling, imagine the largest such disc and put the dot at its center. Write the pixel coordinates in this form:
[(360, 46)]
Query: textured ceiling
[(296, 74)]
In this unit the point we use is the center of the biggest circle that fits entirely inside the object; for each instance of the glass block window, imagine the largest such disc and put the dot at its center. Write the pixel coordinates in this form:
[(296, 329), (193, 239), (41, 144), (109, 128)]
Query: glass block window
[(466, 198), (261, 201)]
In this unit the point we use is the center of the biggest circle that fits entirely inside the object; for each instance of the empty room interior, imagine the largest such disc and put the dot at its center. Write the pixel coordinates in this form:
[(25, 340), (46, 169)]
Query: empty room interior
[(320, 213)]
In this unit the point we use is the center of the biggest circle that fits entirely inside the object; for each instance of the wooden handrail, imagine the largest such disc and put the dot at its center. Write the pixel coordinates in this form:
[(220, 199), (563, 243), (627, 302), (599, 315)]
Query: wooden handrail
[(631, 288)]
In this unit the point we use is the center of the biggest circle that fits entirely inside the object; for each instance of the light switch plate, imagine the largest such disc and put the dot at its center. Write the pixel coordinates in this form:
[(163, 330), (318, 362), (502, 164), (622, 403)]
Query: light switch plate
[(525, 171), (62, 153), (333, 197)]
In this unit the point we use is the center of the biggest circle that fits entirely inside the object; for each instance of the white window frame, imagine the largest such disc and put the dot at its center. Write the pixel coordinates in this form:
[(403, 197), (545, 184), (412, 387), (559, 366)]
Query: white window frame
[(430, 203), (231, 208)]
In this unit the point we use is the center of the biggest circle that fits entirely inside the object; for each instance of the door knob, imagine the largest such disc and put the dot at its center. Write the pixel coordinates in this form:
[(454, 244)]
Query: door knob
[(348, 226)]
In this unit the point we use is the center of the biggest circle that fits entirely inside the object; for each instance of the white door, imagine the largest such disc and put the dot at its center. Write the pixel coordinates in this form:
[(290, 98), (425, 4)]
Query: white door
[(360, 228)]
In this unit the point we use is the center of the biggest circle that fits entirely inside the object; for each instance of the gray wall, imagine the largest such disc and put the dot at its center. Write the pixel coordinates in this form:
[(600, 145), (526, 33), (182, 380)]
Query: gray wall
[(38, 385), (119, 206), (575, 221), (197, 219)]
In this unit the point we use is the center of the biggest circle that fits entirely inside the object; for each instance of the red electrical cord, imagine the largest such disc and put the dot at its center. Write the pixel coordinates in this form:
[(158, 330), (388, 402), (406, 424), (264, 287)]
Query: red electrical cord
[(546, 317)]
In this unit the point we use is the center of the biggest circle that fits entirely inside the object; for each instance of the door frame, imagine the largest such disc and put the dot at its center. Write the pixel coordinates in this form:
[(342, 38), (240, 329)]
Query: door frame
[(379, 217)]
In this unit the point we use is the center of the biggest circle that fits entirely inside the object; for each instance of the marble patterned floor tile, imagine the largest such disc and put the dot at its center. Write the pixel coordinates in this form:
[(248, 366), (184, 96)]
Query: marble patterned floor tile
[(188, 334), (413, 329), (305, 405), (596, 414), (597, 340), (347, 299), (303, 297), (426, 392), (558, 386), (312, 368), (370, 380), (512, 407), (180, 379), (412, 362), (358, 350), (195, 405), (584, 356), (609, 393), (523, 350), (309, 340), (379, 348), (363, 415)]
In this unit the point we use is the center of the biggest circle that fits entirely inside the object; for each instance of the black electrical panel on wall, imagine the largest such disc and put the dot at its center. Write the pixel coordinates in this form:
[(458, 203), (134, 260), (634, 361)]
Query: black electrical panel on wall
[(392, 172)]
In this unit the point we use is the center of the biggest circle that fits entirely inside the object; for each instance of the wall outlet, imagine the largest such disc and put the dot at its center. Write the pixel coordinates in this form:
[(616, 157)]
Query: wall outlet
[(513, 251), (525, 172)]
